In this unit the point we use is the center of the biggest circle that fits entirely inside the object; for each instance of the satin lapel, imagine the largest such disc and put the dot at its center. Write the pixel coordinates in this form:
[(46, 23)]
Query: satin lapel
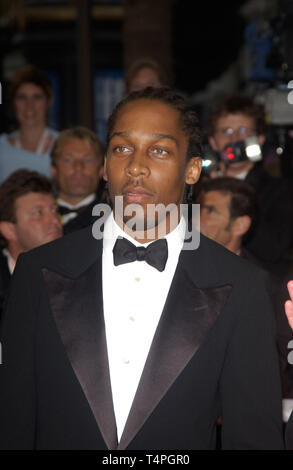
[(77, 306), (185, 322)]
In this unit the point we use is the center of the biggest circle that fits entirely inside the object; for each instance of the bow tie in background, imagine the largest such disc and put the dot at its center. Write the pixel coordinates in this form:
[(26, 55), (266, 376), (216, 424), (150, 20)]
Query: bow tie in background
[(62, 210), (155, 254)]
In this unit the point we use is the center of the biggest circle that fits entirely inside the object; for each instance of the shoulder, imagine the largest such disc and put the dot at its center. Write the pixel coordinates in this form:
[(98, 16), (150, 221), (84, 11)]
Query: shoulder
[(53, 132), (66, 254), (219, 265), (4, 140)]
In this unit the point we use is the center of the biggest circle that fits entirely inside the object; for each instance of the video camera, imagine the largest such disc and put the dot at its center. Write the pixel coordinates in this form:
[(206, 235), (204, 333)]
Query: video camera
[(248, 149)]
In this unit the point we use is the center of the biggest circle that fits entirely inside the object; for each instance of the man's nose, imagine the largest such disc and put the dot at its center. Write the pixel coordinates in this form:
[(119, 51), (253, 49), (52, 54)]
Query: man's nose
[(29, 103), (234, 137), (53, 218), (137, 165), (78, 165)]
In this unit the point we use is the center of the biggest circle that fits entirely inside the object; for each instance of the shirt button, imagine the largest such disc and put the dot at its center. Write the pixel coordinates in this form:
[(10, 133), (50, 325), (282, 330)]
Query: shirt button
[(125, 360), (131, 318), (137, 279)]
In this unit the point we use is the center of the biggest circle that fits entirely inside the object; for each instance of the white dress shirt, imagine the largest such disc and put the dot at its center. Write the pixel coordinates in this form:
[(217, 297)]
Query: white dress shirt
[(134, 296)]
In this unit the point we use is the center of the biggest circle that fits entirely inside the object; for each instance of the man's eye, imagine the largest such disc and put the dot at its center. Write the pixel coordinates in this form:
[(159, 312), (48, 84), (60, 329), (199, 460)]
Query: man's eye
[(89, 161), (159, 151), (121, 149), (39, 97), (37, 213), (208, 210), (66, 160)]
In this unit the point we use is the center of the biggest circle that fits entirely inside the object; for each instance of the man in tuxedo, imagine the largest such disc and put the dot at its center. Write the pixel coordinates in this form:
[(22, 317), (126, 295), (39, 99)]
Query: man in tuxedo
[(77, 164), (133, 336), (28, 218)]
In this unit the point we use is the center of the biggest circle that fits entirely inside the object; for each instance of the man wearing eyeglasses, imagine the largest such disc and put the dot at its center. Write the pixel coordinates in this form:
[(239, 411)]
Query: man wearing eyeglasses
[(232, 120)]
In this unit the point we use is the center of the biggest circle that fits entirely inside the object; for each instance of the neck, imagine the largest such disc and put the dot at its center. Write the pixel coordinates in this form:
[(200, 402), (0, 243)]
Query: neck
[(161, 229), (71, 199), (30, 136), (234, 245), (14, 250), (234, 172)]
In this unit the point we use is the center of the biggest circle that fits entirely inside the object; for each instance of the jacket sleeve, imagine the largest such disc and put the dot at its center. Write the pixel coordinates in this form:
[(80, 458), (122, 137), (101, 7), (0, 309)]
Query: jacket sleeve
[(17, 378), (250, 384)]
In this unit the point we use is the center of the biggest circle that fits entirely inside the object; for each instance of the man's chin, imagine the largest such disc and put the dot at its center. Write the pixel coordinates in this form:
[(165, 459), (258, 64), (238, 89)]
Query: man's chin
[(235, 168), (53, 237), (139, 224)]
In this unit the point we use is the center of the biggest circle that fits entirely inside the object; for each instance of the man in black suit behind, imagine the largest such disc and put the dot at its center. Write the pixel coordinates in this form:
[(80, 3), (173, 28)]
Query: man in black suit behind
[(77, 165), (117, 341)]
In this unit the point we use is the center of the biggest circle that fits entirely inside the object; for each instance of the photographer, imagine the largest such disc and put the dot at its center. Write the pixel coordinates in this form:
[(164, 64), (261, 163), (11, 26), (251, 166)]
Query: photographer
[(231, 122)]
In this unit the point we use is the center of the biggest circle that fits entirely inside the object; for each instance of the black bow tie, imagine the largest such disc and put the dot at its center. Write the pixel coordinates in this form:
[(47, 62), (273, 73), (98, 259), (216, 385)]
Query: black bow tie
[(155, 254), (62, 210)]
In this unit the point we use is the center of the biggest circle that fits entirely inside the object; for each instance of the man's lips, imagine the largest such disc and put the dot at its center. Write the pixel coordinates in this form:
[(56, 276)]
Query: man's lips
[(132, 194)]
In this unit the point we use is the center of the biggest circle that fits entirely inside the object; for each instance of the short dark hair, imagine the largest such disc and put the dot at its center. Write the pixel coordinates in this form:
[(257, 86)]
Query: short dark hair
[(237, 103), (31, 74), (78, 132), (243, 201), (166, 95), (18, 184)]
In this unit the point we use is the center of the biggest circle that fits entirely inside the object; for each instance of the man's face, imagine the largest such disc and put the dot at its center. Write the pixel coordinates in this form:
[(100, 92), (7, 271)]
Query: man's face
[(77, 170), (215, 222), (146, 158), (37, 221), (31, 105), (234, 128)]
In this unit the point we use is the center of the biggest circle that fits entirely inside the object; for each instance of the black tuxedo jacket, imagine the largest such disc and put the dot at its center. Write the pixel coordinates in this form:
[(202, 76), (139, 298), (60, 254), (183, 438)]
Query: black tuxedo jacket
[(273, 235), (213, 354), (82, 220), (85, 217)]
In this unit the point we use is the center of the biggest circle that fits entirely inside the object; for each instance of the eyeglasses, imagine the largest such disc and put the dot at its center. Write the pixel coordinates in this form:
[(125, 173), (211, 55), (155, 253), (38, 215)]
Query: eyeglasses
[(241, 132)]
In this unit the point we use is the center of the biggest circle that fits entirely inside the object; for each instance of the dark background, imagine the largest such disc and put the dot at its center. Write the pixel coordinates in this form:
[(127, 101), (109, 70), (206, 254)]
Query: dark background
[(207, 39)]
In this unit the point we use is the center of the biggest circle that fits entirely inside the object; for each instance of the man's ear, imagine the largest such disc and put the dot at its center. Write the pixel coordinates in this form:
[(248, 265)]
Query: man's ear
[(241, 225), (261, 139), (7, 230), (193, 170), (213, 143), (101, 171), (53, 171), (105, 174)]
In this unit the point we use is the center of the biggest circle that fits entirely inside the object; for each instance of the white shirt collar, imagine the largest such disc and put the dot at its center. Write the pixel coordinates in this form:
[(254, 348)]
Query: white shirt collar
[(242, 175), (85, 202), (112, 231)]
